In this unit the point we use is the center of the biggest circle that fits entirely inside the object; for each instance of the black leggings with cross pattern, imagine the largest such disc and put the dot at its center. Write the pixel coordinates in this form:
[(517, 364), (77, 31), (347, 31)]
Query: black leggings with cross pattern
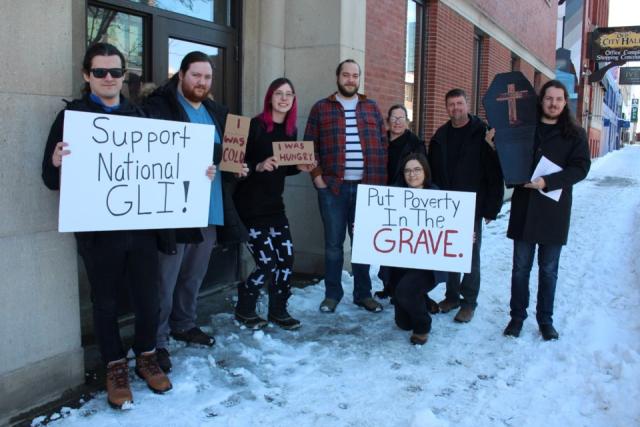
[(272, 250)]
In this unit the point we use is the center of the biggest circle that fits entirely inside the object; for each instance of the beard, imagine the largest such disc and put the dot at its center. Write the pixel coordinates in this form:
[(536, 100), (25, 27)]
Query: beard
[(552, 115), (346, 92), (190, 93)]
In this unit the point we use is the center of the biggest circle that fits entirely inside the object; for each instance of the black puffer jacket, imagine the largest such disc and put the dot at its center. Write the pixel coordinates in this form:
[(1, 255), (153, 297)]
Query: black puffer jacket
[(163, 104)]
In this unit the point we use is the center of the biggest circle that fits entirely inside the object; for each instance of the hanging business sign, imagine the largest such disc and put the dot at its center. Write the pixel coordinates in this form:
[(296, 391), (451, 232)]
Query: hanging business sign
[(630, 76), (615, 44)]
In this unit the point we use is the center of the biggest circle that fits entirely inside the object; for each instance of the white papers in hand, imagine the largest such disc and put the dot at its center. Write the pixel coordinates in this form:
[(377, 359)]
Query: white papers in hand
[(547, 167)]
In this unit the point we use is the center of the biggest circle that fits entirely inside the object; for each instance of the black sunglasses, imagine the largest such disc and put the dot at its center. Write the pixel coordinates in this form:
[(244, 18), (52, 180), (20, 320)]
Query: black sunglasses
[(101, 73)]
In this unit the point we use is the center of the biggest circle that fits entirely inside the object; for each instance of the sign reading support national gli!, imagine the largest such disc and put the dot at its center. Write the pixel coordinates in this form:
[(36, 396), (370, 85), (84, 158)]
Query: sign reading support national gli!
[(127, 173)]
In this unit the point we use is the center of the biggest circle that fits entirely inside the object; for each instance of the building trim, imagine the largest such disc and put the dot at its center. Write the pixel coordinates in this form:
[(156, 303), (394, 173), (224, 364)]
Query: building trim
[(478, 18)]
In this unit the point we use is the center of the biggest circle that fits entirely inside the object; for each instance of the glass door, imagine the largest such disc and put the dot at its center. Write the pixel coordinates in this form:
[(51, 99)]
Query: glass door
[(154, 36)]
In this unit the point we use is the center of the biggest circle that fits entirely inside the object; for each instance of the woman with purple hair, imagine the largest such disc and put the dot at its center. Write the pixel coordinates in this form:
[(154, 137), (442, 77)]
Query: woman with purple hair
[(259, 202)]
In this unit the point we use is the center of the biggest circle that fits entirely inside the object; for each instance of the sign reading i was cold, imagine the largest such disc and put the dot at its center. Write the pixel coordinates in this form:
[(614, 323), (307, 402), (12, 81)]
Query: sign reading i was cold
[(128, 173), (414, 228), (615, 44)]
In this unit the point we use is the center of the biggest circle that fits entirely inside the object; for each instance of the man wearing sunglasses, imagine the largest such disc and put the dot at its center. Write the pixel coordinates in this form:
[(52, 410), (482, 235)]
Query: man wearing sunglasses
[(112, 257)]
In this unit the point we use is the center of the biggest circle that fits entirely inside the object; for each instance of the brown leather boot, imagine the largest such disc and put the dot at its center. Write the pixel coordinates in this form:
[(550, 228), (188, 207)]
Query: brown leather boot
[(465, 314), (148, 369), (118, 390)]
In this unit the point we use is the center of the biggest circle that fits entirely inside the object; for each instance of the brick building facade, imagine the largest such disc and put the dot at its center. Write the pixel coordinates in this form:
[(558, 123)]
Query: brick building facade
[(466, 43)]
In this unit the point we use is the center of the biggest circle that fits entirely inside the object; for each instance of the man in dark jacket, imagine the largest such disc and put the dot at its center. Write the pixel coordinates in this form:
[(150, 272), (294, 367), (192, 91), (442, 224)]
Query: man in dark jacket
[(538, 219), (462, 160), (184, 259), (111, 256)]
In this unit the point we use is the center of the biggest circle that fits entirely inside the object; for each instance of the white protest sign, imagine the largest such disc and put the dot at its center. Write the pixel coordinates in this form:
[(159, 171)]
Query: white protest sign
[(414, 228), (127, 173)]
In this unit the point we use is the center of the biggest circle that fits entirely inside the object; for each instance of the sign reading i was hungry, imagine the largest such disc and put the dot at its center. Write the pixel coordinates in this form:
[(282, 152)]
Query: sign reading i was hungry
[(293, 152)]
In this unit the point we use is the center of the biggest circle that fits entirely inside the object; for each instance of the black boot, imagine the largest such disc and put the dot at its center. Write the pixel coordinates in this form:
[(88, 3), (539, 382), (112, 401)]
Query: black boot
[(278, 313), (245, 311)]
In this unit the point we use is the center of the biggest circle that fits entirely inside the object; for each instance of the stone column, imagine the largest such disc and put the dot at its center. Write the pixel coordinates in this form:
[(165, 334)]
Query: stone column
[(40, 355), (304, 41)]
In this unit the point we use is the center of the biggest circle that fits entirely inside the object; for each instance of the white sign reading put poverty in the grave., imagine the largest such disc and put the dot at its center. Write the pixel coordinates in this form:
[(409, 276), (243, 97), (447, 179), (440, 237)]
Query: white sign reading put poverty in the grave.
[(414, 228), (128, 173)]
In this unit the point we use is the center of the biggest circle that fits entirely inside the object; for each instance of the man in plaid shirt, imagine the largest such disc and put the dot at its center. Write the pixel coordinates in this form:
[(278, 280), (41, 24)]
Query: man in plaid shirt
[(351, 148)]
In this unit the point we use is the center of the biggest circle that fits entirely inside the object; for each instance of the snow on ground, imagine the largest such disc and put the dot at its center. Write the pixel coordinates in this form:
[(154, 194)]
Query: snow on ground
[(354, 368)]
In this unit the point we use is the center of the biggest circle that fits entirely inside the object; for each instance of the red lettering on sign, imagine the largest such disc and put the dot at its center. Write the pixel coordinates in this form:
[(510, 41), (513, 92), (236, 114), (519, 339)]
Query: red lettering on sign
[(375, 242), (447, 243)]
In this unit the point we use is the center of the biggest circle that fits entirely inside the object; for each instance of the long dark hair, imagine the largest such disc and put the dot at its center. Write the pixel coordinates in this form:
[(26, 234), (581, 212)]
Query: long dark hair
[(266, 117), (420, 158), (568, 125)]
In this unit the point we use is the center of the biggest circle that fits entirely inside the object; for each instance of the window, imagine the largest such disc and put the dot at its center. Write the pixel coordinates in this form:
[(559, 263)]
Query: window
[(216, 11), (537, 81), (475, 83), (515, 63), (413, 63), (126, 32)]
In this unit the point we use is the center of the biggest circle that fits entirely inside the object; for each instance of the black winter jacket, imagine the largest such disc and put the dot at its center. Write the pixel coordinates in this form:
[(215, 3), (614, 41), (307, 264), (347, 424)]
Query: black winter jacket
[(536, 218), (51, 177), (477, 168), (405, 144), (259, 197), (163, 104)]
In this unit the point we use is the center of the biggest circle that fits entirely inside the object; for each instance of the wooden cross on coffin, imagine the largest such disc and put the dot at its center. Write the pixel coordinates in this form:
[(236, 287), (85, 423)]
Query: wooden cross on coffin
[(510, 104)]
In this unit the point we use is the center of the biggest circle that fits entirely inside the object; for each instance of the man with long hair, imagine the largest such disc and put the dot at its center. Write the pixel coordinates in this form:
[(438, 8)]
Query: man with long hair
[(539, 220)]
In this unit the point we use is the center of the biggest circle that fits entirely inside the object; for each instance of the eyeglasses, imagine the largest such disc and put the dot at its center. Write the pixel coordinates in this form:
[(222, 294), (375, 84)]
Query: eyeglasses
[(285, 95), (394, 119), (414, 171), (101, 73)]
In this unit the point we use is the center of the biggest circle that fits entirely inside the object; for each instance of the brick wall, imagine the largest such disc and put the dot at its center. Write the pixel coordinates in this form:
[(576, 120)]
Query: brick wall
[(385, 52), (531, 22), (449, 58)]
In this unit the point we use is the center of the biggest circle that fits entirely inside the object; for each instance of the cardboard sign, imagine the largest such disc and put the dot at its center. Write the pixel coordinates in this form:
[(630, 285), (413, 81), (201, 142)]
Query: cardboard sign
[(128, 173), (414, 228), (234, 143), (293, 152), (510, 103)]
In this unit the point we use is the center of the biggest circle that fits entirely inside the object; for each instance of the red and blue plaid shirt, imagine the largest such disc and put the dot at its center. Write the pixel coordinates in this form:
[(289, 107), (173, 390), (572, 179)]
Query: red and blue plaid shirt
[(326, 128)]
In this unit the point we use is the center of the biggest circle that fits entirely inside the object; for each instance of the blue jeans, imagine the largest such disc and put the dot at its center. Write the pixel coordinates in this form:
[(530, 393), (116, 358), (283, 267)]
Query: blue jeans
[(338, 214), (548, 260), (469, 287)]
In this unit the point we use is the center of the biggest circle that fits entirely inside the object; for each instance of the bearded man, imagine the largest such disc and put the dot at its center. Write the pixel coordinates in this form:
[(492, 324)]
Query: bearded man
[(184, 256), (539, 220), (351, 148)]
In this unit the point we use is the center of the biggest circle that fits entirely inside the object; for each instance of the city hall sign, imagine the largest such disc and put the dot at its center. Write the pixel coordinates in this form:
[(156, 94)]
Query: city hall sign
[(615, 44)]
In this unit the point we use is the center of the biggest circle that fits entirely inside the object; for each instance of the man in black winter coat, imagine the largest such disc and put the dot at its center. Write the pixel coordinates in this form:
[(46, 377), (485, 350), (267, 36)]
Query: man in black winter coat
[(184, 256), (462, 160), (536, 218), (112, 256)]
